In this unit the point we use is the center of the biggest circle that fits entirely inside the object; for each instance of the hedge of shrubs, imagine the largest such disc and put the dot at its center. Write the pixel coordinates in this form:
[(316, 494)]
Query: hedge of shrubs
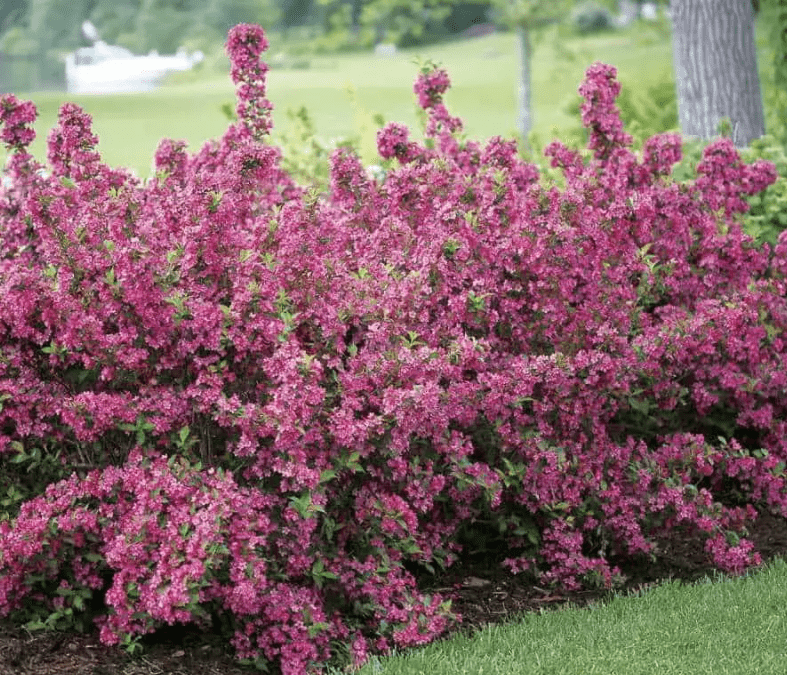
[(234, 401)]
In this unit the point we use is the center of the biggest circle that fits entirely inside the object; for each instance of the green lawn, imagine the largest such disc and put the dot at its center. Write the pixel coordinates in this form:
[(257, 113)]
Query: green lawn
[(730, 627), (483, 70)]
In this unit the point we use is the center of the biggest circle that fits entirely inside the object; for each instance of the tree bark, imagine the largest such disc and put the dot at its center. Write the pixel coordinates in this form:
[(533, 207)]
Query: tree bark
[(524, 99), (715, 63)]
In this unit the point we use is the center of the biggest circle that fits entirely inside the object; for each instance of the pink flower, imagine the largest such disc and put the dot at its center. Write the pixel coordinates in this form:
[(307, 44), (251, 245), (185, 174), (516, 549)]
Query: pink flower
[(15, 116)]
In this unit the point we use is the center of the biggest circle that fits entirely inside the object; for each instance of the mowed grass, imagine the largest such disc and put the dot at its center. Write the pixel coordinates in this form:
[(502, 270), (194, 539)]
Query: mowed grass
[(484, 72), (729, 627)]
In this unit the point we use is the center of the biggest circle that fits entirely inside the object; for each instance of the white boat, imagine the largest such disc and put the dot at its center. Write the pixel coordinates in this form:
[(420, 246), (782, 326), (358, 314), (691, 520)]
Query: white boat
[(109, 69)]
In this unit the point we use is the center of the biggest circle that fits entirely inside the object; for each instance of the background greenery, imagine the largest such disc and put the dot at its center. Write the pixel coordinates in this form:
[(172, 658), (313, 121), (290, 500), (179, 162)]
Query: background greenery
[(325, 96), (349, 24), (483, 71)]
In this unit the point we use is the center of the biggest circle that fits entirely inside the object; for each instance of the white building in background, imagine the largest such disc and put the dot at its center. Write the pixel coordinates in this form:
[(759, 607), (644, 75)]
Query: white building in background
[(650, 11), (629, 10), (109, 69)]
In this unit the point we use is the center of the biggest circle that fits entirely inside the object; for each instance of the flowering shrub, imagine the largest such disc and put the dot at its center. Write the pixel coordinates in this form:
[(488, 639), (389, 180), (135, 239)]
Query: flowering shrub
[(766, 217), (657, 111), (273, 409)]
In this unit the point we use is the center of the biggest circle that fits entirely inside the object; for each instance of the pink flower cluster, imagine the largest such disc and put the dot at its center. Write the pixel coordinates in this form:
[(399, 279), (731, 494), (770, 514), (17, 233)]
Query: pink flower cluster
[(394, 141), (292, 402), (245, 45), (599, 114), (15, 118)]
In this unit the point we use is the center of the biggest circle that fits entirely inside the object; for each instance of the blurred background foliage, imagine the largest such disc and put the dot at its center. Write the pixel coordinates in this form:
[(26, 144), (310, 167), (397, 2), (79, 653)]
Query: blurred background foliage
[(333, 89), (165, 25)]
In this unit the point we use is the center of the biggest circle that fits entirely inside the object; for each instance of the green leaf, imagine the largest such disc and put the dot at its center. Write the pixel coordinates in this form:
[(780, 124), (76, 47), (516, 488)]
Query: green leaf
[(215, 201), (320, 574), (21, 455), (35, 625), (642, 407), (327, 475), (301, 504)]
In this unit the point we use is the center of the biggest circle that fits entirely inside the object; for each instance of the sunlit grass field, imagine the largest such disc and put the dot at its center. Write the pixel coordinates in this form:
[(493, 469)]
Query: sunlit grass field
[(484, 72)]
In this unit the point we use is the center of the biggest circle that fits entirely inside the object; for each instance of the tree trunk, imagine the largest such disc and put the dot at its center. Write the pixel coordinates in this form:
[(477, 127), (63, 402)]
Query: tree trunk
[(716, 68), (524, 99)]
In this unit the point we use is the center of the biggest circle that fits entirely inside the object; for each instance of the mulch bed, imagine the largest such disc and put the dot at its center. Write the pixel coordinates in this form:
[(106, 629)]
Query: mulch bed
[(482, 595)]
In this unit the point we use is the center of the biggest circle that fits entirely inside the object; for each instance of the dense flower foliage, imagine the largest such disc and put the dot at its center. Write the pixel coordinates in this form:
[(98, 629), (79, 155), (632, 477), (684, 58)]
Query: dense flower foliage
[(273, 409)]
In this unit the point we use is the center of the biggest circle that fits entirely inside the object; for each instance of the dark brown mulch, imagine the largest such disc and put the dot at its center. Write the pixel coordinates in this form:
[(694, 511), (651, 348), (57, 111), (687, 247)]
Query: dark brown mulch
[(483, 596)]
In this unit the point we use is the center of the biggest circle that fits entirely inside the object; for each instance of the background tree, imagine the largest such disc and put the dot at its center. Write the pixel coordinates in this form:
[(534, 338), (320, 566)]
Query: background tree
[(715, 61), (294, 12), (404, 22), (56, 23), (776, 15), (115, 18), (161, 24), (523, 16), (221, 15), (12, 13)]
